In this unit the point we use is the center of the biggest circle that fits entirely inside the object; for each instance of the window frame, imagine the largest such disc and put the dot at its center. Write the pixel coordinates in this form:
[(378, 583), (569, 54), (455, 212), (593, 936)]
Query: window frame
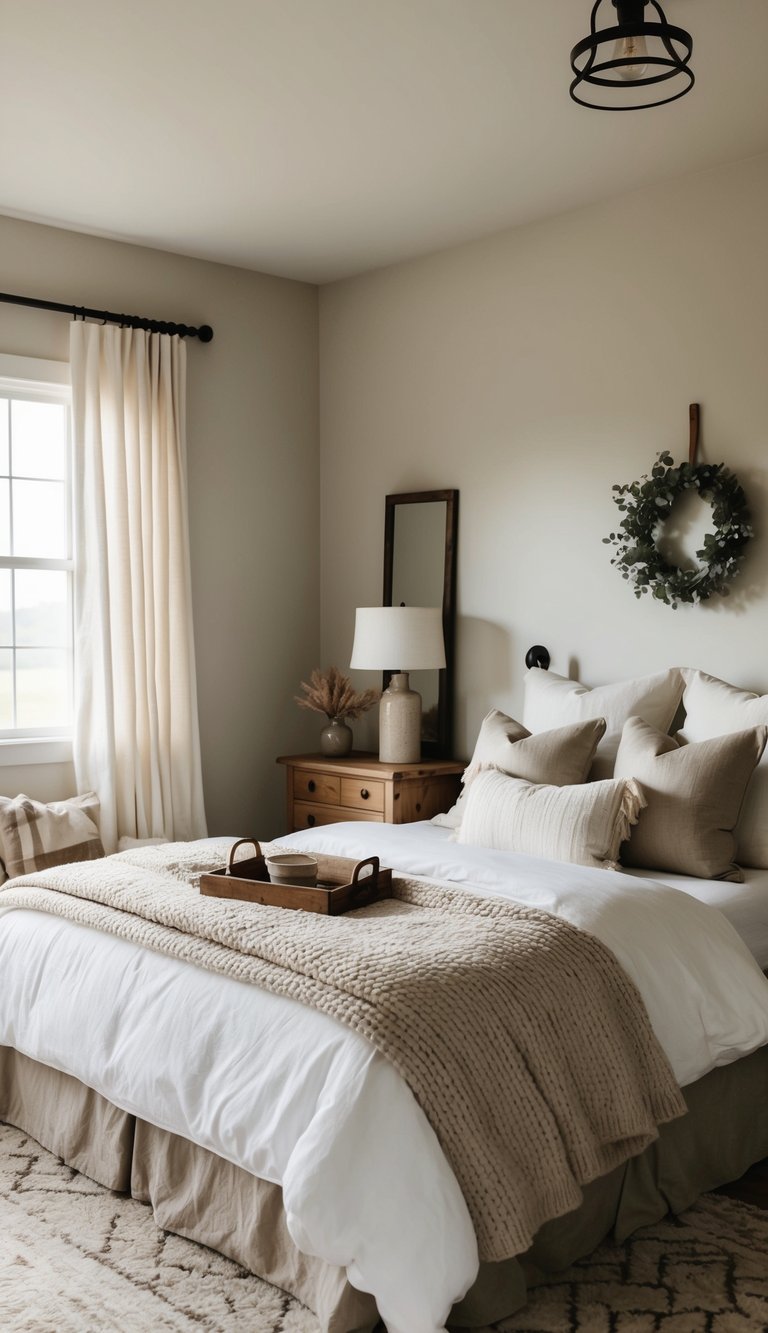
[(41, 381)]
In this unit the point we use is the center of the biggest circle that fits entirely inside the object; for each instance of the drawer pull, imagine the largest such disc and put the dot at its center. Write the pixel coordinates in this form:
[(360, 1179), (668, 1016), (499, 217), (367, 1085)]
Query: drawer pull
[(364, 792), (311, 820), (311, 785)]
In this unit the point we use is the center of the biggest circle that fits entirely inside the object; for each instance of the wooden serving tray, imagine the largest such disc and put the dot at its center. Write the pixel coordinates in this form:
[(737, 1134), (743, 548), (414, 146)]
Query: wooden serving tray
[(343, 883)]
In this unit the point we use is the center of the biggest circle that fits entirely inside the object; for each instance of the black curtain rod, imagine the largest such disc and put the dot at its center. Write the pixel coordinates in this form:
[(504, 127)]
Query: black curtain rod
[(204, 332)]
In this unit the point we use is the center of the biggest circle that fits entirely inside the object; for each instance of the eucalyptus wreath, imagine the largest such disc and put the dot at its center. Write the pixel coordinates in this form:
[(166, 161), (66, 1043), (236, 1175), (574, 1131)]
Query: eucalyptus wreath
[(647, 503)]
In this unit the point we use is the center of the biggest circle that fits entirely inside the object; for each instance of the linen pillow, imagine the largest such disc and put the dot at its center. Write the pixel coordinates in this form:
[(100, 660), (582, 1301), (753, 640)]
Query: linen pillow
[(713, 708), (561, 757), (553, 701), (585, 824), (35, 836), (694, 795)]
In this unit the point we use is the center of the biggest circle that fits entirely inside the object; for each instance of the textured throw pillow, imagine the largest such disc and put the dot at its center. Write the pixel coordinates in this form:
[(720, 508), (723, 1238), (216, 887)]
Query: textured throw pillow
[(553, 701), (35, 836), (562, 757), (694, 795), (585, 824), (713, 708)]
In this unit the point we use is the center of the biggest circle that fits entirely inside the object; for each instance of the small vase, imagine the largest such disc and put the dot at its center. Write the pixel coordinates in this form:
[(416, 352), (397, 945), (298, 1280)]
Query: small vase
[(336, 739)]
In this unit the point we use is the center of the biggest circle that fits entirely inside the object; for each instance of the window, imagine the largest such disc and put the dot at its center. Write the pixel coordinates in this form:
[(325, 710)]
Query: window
[(36, 566)]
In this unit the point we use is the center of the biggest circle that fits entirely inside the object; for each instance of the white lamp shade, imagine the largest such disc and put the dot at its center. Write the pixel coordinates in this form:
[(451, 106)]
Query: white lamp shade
[(398, 638)]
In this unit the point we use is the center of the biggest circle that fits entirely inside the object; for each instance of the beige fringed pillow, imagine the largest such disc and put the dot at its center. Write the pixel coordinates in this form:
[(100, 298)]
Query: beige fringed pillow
[(562, 757), (694, 794), (35, 836), (585, 824)]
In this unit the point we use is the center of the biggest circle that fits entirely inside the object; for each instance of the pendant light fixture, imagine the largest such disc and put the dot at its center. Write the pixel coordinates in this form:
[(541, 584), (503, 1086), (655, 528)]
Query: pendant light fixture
[(614, 65)]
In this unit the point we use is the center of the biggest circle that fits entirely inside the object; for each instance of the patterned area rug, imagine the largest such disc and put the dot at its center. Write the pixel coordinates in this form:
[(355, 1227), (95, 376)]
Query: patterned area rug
[(76, 1258)]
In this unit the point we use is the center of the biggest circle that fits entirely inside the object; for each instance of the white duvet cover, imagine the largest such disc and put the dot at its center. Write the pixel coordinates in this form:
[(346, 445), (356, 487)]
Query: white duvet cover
[(295, 1098)]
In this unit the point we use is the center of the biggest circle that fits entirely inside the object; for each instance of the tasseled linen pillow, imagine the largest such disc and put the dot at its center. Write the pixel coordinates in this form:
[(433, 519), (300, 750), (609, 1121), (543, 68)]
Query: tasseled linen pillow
[(585, 824)]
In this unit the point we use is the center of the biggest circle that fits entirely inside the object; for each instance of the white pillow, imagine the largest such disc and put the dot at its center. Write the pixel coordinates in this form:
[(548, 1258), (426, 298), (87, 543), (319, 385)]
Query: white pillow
[(585, 824), (553, 701), (561, 757), (714, 708)]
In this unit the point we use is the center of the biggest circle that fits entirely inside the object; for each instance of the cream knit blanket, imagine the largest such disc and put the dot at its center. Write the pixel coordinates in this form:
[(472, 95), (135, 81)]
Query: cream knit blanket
[(526, 1045)]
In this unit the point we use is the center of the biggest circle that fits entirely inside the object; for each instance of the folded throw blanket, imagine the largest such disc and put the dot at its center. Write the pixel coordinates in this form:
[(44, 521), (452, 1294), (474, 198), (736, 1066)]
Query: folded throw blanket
[(525, 1043)]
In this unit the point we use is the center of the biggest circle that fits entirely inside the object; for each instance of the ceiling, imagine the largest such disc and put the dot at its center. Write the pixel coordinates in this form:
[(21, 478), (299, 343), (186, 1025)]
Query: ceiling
[(316, 139)]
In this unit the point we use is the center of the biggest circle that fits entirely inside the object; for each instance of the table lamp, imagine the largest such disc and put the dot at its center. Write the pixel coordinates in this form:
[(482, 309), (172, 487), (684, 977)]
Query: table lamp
[(399, 639)]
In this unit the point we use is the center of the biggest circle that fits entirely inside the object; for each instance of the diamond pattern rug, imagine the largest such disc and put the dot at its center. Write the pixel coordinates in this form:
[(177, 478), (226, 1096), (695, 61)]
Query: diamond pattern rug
[(76, 1258)]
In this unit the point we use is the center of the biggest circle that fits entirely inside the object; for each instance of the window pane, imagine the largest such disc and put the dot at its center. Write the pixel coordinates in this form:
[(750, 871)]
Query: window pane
[(4, 411), (5, 520), (6, 624), (39, 439), (40, 519), (6, 688), (42, 688), (42, 613), (35, 604)]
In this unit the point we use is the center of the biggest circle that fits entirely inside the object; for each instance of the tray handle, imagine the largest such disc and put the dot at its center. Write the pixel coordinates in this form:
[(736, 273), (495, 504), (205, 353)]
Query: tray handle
[(360, 885), (240, 843)]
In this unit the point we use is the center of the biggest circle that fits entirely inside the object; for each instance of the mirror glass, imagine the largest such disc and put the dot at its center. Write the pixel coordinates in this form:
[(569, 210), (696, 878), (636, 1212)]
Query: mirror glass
[(418, 561), (419, 545)]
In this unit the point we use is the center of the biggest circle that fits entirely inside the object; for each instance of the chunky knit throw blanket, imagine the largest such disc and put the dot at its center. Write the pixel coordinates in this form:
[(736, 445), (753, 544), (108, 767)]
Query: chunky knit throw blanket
[(526, 1045)]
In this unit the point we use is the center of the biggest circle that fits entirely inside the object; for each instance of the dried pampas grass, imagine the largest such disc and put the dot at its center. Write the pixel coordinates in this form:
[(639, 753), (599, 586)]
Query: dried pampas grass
[(331, 692)]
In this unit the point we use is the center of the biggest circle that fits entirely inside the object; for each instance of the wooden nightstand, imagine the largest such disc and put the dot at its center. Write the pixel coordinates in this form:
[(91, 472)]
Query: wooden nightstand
[(326, 791)]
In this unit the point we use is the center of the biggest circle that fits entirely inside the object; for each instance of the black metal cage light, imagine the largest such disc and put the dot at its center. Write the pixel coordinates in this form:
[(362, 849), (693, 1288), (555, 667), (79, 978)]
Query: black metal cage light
[(613, 64)]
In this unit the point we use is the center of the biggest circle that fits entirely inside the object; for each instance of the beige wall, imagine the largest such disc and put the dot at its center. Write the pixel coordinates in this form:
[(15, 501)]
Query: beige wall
[(532, 370), (253, 482)]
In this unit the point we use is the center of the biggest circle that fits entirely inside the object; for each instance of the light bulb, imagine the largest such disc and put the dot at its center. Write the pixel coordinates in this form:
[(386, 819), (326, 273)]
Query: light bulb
[(631, 48)]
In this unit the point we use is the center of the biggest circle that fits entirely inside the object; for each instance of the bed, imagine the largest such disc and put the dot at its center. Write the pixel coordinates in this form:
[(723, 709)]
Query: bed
[(279, 1136)]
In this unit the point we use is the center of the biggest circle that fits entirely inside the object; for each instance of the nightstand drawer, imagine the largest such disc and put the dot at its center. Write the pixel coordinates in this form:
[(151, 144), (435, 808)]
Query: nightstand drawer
[(306, 815), (361, 794), (320, 788), (325, 790)]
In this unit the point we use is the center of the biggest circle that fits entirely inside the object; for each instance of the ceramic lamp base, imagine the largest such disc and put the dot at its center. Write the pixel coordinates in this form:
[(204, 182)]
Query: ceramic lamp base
[(400, 722)]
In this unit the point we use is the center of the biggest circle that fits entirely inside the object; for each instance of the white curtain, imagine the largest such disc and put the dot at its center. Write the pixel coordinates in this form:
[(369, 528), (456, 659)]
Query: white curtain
[(137, 740)]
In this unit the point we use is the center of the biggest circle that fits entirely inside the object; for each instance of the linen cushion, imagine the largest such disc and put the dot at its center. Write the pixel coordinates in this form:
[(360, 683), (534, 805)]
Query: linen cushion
[(561, 757), (35, 836), (585, 824), (694, 794), (713, 708), (553, 701)]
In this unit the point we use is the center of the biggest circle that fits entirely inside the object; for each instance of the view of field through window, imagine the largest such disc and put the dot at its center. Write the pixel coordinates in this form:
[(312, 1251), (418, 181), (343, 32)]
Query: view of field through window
[(35, 565)]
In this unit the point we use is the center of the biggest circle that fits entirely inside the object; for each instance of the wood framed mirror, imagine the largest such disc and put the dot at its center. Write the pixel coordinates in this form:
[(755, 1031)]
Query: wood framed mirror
[(420, 530)]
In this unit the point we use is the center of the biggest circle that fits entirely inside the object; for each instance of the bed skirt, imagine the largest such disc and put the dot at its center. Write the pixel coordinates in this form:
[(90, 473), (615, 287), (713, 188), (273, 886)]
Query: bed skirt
[(196, 1194)]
